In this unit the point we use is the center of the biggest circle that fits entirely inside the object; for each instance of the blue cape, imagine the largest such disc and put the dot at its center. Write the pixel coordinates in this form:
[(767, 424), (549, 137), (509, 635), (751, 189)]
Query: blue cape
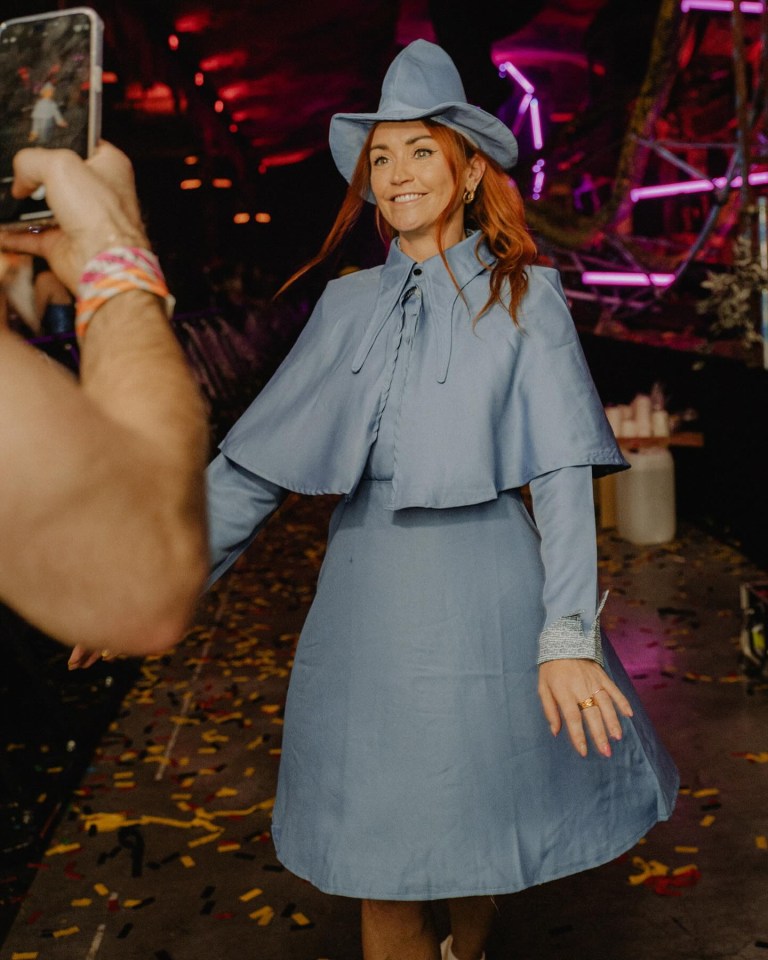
[(485, 408)]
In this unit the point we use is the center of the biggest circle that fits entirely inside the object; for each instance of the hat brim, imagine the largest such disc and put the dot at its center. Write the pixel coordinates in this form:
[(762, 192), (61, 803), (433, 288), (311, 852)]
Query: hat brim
[(348, 132)]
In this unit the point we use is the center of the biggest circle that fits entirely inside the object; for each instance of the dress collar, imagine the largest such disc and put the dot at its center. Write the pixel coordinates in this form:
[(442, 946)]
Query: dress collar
[(399, 274)]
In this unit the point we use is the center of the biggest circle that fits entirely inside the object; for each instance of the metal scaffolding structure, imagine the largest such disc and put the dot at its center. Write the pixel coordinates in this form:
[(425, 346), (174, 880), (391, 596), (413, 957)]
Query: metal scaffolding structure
[(694, 157)]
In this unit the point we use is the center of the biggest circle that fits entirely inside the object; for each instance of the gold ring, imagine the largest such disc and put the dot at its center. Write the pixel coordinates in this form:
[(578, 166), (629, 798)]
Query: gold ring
[(590, 701)]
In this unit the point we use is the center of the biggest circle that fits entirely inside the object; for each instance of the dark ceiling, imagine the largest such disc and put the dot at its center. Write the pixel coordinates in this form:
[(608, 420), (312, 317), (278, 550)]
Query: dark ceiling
[(280, 68), (248, 88)]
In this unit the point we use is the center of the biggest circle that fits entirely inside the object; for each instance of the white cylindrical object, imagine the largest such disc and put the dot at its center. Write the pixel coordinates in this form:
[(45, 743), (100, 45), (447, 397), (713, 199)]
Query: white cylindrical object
[(660, 423), (645, 497), (644, 426), (615, 417), (641, 406)]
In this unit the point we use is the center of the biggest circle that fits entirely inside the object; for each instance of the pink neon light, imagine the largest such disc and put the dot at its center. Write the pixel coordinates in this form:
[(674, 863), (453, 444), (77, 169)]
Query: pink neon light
[(538, 183), (692, 186), (721, 6), (594, 278), (538, 139), (524, 104), (508, 67)]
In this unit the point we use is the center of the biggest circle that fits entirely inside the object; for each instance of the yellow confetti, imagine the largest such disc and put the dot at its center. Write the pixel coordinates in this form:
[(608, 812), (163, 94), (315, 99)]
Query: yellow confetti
[(707, 821), (24, 956), (270, 708), (62, 848), (707, 792), (211, 736), (201, 840), (83, 902), (101, 889), (227, 846), (227, 792), (207, 749), (686, 849), (761, 843), (187, 861), (130, 904), (688, 868), (300, 919), (647, 868), (251, 894), (123, 775), (263, 916), (66, 932)]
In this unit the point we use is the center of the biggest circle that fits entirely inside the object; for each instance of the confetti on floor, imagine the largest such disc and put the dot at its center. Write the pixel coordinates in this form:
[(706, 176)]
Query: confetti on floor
[(197, 737)]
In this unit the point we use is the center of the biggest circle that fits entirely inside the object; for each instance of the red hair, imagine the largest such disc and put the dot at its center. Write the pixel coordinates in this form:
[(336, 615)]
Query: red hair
[(497, 211)]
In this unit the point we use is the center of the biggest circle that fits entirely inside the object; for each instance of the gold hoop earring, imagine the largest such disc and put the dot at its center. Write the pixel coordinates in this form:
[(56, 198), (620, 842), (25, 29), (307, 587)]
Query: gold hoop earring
[(469, 196)]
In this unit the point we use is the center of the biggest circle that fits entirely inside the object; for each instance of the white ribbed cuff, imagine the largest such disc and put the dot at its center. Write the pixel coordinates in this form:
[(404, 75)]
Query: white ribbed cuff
[(564, 639)]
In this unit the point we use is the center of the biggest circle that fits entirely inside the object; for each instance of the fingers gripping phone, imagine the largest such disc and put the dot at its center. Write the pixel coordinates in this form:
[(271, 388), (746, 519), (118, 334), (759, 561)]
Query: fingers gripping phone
[(50, 96)]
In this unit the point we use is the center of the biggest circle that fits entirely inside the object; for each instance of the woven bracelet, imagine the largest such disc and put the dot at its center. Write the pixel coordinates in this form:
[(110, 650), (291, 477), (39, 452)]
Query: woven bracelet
[(114, 271)]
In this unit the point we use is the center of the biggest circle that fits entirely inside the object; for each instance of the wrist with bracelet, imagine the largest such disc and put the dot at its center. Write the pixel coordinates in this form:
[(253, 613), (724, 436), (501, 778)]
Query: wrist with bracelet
[(114, 271)]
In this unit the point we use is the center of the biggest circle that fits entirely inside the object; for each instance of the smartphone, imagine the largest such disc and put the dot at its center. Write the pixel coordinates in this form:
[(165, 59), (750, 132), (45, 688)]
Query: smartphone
[(50, 96)]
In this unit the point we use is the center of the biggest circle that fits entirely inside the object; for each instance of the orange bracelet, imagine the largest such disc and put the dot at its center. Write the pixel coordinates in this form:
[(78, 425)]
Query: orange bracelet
[(114, 271)]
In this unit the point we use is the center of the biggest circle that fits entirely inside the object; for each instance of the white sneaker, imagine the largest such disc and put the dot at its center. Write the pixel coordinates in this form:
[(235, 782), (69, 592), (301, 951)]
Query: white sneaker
[(445, 950)]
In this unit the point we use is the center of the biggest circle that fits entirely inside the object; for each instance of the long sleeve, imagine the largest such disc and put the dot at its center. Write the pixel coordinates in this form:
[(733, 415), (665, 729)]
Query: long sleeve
[(564, 511), (239, 505)]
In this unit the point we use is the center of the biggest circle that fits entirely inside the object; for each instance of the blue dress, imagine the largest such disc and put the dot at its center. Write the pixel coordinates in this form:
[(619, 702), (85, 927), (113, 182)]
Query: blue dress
[(417, 763)]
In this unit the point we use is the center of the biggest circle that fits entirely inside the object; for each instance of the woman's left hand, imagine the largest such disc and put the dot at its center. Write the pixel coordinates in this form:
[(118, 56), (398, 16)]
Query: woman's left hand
[(81, 658), (581, 694)]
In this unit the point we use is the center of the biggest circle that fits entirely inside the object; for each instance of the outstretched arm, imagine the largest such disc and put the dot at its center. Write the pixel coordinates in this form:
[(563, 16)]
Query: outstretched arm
[(102, 529), (570, 651)]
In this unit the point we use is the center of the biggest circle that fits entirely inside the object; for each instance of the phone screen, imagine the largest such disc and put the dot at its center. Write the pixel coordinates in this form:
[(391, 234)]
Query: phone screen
[(46, 97)]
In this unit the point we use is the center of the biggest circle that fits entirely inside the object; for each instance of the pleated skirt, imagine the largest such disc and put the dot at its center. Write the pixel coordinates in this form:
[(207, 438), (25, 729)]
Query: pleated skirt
[(417, 763)]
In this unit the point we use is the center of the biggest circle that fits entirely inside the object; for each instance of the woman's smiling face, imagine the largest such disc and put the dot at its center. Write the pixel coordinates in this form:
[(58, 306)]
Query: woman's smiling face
[(413, 184)]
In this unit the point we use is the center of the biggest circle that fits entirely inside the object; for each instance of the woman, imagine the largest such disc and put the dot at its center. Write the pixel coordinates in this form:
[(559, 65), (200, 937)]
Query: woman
[(417, 762)]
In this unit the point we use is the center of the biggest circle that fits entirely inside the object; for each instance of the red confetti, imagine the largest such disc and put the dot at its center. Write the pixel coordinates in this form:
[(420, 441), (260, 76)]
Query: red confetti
[(670, 886)]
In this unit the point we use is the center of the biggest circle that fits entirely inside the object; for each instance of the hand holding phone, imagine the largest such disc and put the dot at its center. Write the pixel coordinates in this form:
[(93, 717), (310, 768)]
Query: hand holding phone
[(50, 96), (94, 202)]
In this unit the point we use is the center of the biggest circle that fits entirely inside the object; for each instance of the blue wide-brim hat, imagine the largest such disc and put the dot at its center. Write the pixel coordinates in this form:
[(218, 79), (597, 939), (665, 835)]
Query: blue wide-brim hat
[(422, 82)]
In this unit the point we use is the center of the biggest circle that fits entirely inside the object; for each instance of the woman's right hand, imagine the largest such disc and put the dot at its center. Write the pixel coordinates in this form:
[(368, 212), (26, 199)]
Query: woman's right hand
[(94, 202)]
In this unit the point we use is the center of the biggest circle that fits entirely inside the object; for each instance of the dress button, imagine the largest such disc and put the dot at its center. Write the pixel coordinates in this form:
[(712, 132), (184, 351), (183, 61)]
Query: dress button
[(417, 272)]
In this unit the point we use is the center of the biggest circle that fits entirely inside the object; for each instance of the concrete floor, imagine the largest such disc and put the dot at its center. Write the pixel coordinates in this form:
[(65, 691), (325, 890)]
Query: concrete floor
[(164, 852)]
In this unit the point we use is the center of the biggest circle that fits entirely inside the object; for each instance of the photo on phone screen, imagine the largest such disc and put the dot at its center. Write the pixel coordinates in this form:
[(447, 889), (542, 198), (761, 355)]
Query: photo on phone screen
[(50, 95)]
